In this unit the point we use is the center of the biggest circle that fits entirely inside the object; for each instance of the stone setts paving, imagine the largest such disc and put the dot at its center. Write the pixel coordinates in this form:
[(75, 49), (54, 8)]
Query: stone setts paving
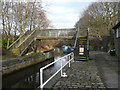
[(81, 74)]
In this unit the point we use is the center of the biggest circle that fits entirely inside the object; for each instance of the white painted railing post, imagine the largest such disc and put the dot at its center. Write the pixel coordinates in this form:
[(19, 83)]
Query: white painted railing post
[(41, 78), (69, 59), (61, 69)]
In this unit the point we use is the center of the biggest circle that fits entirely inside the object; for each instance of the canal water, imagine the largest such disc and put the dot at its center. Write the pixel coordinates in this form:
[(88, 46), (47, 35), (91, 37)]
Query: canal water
[(29, 77)]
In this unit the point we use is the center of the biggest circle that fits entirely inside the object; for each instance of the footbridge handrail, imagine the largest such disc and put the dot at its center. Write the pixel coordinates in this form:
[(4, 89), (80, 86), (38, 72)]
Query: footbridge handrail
[(20, 40), (70, 58)]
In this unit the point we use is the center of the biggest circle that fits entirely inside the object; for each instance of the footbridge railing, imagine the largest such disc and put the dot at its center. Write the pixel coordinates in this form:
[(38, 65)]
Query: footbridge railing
[(55, 33), (70, 58)]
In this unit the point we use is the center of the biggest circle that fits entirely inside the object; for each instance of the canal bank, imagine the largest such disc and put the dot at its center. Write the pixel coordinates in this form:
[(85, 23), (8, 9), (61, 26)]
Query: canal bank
[(29, 77), (15, 64)]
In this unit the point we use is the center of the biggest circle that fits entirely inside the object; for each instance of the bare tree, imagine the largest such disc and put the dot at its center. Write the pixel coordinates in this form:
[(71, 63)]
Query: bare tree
[(100, 17), (18, 17)]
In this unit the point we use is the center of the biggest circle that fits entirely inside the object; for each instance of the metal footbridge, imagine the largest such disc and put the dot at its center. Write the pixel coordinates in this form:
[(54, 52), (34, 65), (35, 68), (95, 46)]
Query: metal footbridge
[(28, 39)]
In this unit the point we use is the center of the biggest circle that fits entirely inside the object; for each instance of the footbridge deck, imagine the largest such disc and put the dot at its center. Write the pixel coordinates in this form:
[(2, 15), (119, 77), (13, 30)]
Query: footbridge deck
[(24, 41)]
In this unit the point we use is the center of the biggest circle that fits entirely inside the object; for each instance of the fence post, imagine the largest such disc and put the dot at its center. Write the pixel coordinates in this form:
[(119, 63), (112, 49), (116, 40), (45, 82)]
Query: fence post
[(41, 78), (69, 59), (61, 66)]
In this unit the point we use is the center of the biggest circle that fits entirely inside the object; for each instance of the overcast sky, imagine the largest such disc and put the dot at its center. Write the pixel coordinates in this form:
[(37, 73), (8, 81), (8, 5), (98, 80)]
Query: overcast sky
[(65, 13)]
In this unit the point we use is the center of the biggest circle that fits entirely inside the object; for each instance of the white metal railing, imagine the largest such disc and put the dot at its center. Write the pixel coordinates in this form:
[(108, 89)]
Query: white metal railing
[(70, 58)]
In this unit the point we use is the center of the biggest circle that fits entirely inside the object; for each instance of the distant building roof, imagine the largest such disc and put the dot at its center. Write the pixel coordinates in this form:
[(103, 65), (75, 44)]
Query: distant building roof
[(116, 26)]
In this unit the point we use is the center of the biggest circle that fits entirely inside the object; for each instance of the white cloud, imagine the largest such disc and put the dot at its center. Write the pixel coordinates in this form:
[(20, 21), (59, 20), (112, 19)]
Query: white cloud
[(63, 9), (64, 25), (63, 13), (63, 18), (68, 1)]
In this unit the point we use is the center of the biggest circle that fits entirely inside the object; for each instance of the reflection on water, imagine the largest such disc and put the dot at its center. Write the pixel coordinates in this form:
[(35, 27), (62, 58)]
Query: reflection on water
[(29, 77)]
